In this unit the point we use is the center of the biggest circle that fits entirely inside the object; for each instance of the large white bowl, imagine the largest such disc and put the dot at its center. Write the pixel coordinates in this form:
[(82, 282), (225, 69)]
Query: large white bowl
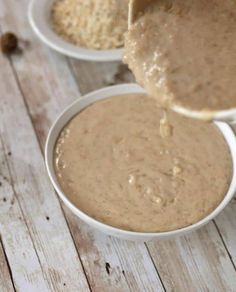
[(39, 18), (109, 92)]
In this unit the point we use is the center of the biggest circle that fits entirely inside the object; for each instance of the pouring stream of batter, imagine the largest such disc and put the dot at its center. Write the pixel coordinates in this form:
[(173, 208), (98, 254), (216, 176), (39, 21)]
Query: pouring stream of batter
[(184, 52)]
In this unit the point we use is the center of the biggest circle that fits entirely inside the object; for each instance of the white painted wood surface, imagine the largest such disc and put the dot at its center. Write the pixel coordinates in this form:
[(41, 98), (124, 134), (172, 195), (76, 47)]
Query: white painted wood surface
[(199, 262), (51, 238), (46, 247), (5, 278), (19, 247)]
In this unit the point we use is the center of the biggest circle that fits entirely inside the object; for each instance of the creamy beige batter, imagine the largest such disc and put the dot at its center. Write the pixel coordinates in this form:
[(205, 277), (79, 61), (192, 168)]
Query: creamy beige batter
[(185, 52), (113, 164)]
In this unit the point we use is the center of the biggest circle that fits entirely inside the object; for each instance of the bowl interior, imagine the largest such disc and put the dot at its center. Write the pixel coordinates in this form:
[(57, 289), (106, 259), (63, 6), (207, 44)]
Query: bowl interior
[(39, 18), (108, 92)]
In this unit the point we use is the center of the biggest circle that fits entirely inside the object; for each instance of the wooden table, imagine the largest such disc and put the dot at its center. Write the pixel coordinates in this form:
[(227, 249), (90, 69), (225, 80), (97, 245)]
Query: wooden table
[(43, 247)]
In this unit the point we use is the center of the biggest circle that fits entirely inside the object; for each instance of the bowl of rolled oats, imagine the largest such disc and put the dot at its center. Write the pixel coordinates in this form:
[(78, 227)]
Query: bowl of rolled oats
[(88, 30)]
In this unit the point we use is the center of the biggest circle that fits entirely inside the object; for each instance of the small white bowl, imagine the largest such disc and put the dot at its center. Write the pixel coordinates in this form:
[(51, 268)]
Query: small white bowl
[(39, 18), (109, 92)]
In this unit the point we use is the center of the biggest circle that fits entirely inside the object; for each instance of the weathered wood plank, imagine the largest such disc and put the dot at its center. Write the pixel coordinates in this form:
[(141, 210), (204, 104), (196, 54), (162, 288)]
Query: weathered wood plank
[(112, 264), (39, 204), (50, 89), (26, 269), (197, 262), (226, 223), (5, 278)]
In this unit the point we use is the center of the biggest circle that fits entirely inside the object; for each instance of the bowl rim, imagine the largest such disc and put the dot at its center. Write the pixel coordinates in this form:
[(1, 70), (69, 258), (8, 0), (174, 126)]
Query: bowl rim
[(109, 92), (227, 115), (38, 14)]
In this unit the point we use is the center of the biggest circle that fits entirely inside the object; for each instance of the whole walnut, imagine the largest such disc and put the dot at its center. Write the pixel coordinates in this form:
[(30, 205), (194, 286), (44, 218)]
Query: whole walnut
[(8, 42)]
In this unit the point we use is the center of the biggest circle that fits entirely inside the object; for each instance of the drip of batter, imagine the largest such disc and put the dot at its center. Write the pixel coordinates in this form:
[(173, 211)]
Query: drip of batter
[(166, 128), (113, 164), (184, 52)]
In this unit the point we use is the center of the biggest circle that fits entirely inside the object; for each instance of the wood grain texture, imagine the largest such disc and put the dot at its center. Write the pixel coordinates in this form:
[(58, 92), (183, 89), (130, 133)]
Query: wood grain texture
[(5, 278), (26, 269), (51, 88), (46, 224), (199, 262), (226, 223), (112, 264)]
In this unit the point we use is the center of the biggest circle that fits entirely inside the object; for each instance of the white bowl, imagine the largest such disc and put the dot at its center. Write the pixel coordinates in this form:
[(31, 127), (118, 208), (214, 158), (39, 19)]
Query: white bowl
[(227, 116), (39, 18), (108, 92)]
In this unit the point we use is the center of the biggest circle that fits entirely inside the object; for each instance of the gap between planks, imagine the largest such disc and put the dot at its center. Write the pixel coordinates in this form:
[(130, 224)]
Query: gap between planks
[(52, 260), (6, 280), (41, 147), (11, 215)]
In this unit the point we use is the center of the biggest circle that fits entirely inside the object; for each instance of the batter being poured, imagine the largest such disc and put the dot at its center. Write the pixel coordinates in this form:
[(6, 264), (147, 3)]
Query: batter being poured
[(184, 52), (115, 164)]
